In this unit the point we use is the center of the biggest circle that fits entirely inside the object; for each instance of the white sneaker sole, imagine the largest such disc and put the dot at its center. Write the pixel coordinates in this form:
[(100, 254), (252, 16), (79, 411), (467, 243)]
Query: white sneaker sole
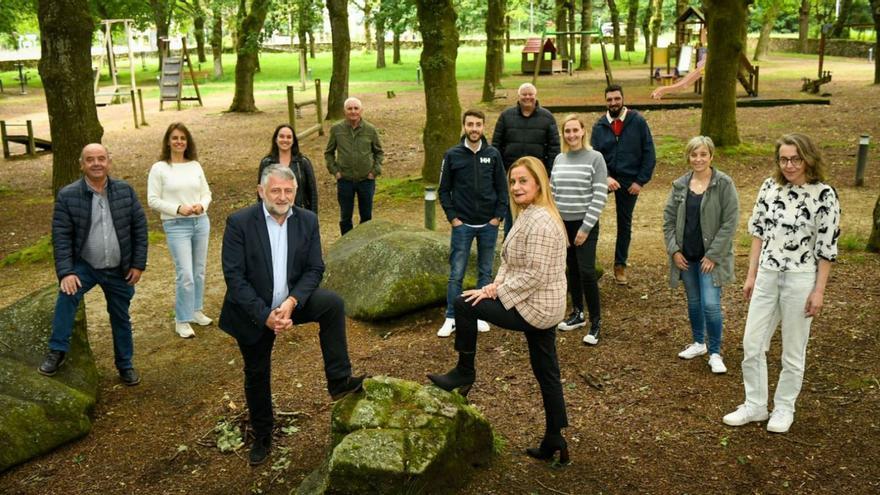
[(567, 328)]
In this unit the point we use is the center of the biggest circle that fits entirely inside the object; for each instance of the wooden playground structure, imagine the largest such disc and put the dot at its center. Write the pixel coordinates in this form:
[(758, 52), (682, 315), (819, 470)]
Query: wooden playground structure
[(30, 142), (171, 82), (294, 110), (113, 93)]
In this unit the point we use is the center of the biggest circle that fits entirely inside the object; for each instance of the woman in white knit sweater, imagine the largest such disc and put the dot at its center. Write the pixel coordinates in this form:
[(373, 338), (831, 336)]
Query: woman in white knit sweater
[(178, 190)]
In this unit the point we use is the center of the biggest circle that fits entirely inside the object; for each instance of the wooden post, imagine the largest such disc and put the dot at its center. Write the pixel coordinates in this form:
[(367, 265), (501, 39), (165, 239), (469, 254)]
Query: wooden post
[(319, 106), (291, 111), (134, 110), (3, 138), (302, 71), (538, 62), (507, 33), (111, 57), (130, 54), (31, 146), (141, 101)]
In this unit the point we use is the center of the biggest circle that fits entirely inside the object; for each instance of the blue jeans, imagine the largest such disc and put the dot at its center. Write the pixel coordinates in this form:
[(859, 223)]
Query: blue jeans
[(118, 294), (459, 252), (187, 239), (704, 305), (345, 192)]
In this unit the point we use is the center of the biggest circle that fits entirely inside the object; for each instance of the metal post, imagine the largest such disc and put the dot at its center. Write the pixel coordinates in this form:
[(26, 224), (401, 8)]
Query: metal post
[(862, 161), (291, 114), (31, 145), (430, 209), (418, 75), (141, 101), (134, 110), (319, 107)]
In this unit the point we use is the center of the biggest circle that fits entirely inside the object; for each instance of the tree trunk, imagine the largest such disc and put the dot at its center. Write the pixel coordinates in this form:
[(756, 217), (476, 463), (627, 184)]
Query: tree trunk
[(217, 42), (770, 14), (66, 28), (311, 44), (804, 26), (632, 20), (657, 20), (586, 22), (395, 45), (875, 7), (380, 42), (845, 9), (615, 28), (161, 18), (680, 7), (726, 25), (248, 49), (303, 48), (338, 93), (572, 26), (199, 28), (561, 21), (494, 48), (368, 25), (646, 29), (874, 240), (439, 51)]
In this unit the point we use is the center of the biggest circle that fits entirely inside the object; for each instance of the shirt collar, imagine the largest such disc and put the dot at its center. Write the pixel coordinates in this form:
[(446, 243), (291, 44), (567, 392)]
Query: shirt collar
[(268, 216), (620, 117)]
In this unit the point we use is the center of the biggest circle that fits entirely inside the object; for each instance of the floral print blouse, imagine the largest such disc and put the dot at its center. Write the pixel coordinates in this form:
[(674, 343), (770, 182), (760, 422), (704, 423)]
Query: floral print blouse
[(797, 224)]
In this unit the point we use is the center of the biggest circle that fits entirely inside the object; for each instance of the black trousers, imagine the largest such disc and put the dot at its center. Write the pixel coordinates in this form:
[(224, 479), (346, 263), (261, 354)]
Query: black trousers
[(542, 351), (324, 307), (581, 272), (625, 203)]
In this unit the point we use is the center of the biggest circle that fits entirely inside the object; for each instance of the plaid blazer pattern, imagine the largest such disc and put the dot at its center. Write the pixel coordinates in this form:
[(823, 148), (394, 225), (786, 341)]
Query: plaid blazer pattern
[(532, 273)]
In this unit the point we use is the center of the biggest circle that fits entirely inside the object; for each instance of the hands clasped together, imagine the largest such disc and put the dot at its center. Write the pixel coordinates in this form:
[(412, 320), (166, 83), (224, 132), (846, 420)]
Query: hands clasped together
[(279, 319)]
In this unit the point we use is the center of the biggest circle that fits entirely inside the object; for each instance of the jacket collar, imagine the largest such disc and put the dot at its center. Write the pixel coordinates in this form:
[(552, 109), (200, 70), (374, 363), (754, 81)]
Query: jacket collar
[(484, 143)]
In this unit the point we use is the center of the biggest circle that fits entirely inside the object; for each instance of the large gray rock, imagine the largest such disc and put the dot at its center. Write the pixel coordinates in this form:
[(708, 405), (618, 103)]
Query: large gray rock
[(401, 437), (38, 413), (383, 270)]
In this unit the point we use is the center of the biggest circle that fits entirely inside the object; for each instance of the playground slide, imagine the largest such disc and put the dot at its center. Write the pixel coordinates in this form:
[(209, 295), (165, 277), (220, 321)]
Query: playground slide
[(685, 81)]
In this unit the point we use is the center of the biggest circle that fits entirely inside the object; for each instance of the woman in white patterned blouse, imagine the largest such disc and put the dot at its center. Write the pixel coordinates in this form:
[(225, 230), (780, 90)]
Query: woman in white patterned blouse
[(795, 226)]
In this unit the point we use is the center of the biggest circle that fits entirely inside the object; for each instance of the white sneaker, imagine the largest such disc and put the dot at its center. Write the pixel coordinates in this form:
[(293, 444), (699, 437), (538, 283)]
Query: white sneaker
[(780, 421), (199, 318), (447, 328), (692, 351), (745, 414), (482, 326), (591, 339), (184, 330), (717, 364)]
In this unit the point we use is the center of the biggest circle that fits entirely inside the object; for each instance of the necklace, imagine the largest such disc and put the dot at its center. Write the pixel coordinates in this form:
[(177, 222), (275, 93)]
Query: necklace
[(698, 186)]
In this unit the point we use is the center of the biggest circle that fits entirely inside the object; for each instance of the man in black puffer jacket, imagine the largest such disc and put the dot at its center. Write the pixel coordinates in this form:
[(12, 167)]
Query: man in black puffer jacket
[(526, 129), (99, 236)]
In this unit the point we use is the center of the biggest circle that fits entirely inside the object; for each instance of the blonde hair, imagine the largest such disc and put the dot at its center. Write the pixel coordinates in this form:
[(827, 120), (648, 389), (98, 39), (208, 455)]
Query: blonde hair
[(697, 142), (568, 118), (544, 197)]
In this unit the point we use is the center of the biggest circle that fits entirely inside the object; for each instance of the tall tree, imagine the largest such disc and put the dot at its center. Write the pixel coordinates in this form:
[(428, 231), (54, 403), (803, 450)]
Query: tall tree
[(632, 20), (586, 24), (646, 28), (380, 22), (842, 18), (247, 48), (217, 39), (726, 26), (804, 26), (615, 27), (162, 11), (439, 51), (338, 10), (875, 10), (194, 9), (561, 13), (65, 67), (657, 20), (494, 48), (769, 13)]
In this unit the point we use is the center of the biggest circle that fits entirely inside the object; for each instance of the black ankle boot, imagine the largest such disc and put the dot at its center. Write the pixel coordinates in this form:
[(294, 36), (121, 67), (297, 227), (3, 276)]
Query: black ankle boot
[(549, 445), (457, 378)]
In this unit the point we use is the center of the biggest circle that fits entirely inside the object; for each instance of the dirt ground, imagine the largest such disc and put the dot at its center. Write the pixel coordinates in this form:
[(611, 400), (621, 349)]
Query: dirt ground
[(649, 423)]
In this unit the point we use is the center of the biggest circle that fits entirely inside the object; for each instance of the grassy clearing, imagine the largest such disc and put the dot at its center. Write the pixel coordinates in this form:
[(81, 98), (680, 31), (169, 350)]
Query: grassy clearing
[(35, 253), (403, 189)]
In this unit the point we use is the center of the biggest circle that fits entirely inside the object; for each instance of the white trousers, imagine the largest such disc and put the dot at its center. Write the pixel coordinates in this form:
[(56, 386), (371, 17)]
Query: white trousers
[(778, 296)]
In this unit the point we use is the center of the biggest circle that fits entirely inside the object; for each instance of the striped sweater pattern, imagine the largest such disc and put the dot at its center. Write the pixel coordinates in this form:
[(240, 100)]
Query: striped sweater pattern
[(580, 186)]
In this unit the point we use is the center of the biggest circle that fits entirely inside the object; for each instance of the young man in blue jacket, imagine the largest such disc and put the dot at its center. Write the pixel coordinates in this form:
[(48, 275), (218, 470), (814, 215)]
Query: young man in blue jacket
[(473, 193), (624, 139)]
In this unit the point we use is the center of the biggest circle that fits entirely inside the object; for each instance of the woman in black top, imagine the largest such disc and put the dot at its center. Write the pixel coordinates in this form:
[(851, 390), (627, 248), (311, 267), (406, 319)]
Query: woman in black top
[(285, 151)]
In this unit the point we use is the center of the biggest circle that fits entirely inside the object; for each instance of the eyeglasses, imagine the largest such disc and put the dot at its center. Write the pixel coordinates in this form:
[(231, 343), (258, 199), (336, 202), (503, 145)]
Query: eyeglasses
[(795, 161)]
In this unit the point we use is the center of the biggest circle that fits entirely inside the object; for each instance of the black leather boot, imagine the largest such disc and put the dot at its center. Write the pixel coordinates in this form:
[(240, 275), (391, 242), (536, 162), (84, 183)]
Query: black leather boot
[(548, 448)]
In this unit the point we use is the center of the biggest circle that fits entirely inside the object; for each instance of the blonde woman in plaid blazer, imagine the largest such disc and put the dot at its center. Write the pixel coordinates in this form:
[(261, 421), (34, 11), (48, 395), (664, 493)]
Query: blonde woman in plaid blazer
[(528, 295)]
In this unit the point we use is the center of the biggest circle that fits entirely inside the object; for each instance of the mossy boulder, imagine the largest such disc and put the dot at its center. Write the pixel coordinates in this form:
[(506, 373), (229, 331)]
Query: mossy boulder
[(383, 269), (401, 437), (38, 413)]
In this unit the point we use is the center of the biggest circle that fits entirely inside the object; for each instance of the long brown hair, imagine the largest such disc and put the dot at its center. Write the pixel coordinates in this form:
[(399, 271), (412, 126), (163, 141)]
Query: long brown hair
[(189, 153), (814, 164)]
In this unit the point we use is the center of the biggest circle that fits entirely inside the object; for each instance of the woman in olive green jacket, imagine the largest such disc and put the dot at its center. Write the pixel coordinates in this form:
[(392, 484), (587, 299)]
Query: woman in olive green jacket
[(699, 223)]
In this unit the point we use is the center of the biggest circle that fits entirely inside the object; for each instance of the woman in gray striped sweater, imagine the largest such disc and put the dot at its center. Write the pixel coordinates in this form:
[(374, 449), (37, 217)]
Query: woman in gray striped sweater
[(580, 188)]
